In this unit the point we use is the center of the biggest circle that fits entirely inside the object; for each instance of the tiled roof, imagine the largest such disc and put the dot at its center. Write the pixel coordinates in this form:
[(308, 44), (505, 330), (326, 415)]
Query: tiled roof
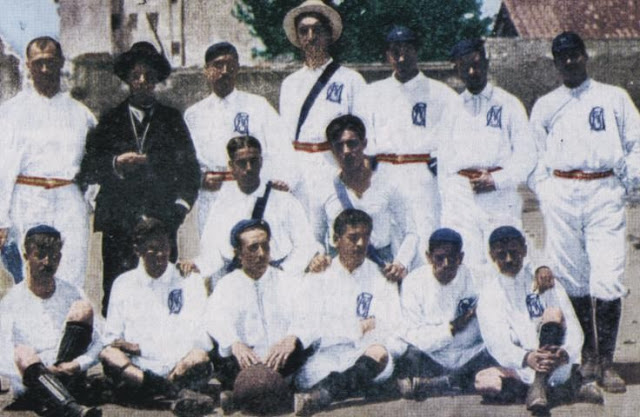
[(592, 19)]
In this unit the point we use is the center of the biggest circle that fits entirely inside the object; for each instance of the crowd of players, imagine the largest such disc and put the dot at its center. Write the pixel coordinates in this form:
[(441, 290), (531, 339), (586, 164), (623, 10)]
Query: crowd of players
[(382, 252)]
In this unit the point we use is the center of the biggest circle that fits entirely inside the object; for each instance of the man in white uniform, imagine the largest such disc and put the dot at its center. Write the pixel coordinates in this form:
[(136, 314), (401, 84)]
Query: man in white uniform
[(486, 151), (362, 184), (292, 246), (352, 312), (54, 344), (438, 303), (46, 130), (315, 94), (532, 333), (156, 343), (252, 314), (588, 139), (404, 112), (226, 113)]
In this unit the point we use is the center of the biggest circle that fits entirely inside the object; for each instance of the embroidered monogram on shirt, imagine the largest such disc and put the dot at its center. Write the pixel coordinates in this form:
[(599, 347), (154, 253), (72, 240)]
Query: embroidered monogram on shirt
[(334, 92), (419, 114), (241, 123), (534, 306), (363, 304), (494, 117), (596, 119), (175, 301)]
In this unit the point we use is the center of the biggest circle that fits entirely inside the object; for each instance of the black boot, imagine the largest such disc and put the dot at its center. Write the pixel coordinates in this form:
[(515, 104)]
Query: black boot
[(75, 341), (52, 397), (537, 395), (590, 367), (608, 320), (153, 385)]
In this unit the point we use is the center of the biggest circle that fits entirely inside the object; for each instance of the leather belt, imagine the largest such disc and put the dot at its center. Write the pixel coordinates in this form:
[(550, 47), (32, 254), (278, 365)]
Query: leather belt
[(577, 174), (475, 173), (46, 183), (221, 175), (311, 147), (399, 159)]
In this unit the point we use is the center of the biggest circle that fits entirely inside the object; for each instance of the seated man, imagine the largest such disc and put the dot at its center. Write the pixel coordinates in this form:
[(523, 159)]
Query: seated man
[(439, 303), (351, 312), (363, 185), (155, 343), (55, 343), (251, 313), (532, 333), (250, 196)]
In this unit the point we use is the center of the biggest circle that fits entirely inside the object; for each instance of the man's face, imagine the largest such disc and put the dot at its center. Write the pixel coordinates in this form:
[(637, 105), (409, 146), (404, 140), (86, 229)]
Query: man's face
[(313, 36), (254, 252), (245, 166), (572, 66), (142, 80), (44, 65), (472, 70), (403, 58), (221, 73), (348, 150), (352, 245), (445, 260), (509, 255), (155, 255), (43, 257)]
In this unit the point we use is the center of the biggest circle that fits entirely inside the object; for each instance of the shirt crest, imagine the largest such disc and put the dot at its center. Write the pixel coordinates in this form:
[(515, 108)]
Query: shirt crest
[(419, 114), (334, 92), (534, 306), (596, 119), (175, 301), (241, 123), (494, 117), (363, 304)]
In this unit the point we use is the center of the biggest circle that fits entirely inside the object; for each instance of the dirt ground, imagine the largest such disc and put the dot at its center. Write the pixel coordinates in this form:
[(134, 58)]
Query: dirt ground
[(617, 405)]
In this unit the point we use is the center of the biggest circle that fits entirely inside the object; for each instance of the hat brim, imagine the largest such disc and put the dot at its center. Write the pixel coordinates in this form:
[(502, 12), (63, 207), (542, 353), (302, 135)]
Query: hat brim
[(126, 61), (289, 23)]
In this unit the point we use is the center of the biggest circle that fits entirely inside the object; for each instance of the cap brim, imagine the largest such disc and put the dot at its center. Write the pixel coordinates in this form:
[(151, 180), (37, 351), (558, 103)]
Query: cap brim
[(289, 22), (125, 62)]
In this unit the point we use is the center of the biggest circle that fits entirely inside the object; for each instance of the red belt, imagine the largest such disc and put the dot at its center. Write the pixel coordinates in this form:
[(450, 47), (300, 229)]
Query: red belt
[(398, 159), (311, 147), (577, 174), (221, 175), (476, 173), (47, 183)]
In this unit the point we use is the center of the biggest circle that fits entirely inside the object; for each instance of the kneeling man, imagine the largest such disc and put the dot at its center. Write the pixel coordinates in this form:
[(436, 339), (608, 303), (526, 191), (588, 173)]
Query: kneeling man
[(55, 343), (533, 333), (156, 345), (352, 312), (439, 305)]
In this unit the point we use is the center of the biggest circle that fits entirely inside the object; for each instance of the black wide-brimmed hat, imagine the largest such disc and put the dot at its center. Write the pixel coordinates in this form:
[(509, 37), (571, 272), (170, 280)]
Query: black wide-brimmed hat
[(141, 52)]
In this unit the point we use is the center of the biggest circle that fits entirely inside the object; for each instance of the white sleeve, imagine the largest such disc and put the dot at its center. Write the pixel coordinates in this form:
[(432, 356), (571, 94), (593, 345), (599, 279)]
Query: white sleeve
[(115, 321), (10, 160), (210, 259), (220, 317), (538, 126), (628, 121), (403, 218)]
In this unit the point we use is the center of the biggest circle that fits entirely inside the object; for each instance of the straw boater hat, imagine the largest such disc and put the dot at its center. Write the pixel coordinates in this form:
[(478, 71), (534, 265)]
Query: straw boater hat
[(141, 52), (312, 6)]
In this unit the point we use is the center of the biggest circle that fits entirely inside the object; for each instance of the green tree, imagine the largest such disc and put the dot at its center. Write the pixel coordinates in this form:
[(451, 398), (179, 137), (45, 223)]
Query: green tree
[(439, 24)]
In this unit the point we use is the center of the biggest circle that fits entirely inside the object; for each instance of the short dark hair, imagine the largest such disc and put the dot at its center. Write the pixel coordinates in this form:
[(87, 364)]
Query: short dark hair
[(342, 123), (218, 49), (147, 229), (246, 225), (445, 236), (351, 217), (41, 42), (324, 21), (39, 240), (241, 142), (505, 234)]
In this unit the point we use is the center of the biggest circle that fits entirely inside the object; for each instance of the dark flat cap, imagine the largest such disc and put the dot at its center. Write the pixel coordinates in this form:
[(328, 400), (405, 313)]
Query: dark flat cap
[(401, 34), (567, 41), (243, 225), (43, 229), (466, 46), (141, 52), (220, 48), (504, 233)]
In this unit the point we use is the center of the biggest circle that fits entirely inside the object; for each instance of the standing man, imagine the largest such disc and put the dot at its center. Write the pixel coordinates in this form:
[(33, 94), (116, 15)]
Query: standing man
[(226, 113), (486, 151), (315, 94), (55, 343), (588, 138), (142, 157), (45, 132), (405, 113)]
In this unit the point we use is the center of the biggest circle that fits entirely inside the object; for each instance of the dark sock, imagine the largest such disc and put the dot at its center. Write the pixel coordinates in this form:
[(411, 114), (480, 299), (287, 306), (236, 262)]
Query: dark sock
[(607, 321), (154, 384), (75, 341), (342, 385), (551, 334)]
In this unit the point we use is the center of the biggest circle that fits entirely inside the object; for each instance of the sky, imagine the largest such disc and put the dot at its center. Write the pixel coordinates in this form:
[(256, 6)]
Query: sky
[(23, 20)]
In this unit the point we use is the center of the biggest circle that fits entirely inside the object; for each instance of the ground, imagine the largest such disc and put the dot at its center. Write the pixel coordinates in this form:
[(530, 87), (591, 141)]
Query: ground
[(618, 405)]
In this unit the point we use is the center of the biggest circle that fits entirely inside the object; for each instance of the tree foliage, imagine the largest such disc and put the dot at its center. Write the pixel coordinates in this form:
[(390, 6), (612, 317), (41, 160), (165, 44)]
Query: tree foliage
[(439, 25)]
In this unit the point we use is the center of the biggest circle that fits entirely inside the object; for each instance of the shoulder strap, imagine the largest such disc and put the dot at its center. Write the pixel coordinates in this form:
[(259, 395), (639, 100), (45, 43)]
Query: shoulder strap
[(313, 94), (261, 203)]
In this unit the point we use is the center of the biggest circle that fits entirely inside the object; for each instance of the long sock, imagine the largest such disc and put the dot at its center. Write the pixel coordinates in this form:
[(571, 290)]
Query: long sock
[(342, 385), (75, 341), (607, 321), (154, 384)]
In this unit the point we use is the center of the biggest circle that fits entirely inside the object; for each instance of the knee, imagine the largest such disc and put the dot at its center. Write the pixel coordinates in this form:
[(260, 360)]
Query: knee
[(379, 354), (552, 315), (489, 381), (113, 358), (25, 356), (196, 357), (81, 311)]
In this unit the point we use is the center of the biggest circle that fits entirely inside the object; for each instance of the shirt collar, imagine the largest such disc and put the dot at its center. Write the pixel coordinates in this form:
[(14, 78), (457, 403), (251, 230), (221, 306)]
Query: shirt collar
[(321, 68), (486, 93), (228, 98), (577, 91)]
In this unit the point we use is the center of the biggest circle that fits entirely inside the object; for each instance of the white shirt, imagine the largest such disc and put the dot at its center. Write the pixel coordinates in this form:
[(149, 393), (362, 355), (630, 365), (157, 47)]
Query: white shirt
[(291, 233), (593, 127), (510, 316), (46, 138), (500, 137), (404, 117), (257, 312), (393, 222), (429, 307), (40, 323), (162, 315)]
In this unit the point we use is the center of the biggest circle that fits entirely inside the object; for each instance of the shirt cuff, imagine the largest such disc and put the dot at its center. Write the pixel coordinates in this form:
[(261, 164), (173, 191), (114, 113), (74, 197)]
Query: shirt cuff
[(85, 362), (183, 203)]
